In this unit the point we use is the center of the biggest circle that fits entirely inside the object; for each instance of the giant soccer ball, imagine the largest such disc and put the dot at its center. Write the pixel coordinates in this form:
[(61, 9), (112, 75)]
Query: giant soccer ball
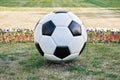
[(60, 36)]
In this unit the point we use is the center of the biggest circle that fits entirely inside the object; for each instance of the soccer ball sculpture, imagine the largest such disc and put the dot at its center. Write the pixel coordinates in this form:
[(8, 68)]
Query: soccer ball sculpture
[(60, 36)]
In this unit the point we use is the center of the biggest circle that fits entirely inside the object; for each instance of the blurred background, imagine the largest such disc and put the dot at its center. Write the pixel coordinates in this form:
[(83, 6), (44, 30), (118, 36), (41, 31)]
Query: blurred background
[(60, 3), (26, 13)]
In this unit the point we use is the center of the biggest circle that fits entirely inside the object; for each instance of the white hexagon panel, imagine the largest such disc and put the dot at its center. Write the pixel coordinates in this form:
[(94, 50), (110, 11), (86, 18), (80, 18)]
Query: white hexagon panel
[(52, 57), (72, 56), (76, 44), (61, 19), (46, 18), (47, 45), (74, 17), (37, 36), (62, 36)]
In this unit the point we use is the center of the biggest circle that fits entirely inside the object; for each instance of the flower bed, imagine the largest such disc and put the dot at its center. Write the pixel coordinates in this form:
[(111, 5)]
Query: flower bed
[(16, 35), (103, 36), (26, 35)]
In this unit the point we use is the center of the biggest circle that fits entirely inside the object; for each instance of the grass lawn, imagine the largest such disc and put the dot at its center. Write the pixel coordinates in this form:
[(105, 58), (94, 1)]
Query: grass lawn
[(21, 61), (60, 3)]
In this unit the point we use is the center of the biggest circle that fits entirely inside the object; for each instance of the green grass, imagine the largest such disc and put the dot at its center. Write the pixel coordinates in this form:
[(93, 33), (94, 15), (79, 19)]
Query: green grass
[(60, 3), (21, 61), (106, 3)]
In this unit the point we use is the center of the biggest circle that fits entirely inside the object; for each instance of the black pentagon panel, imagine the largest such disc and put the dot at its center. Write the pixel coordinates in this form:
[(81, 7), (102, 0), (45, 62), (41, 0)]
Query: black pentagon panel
[(39, 49), (56, 12), (48, 28), (82, 48), (75, 28), (62, 52)]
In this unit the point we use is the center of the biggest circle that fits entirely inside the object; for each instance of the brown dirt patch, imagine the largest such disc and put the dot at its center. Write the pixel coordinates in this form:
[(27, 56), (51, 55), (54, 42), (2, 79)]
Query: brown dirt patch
[(90, 17)]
